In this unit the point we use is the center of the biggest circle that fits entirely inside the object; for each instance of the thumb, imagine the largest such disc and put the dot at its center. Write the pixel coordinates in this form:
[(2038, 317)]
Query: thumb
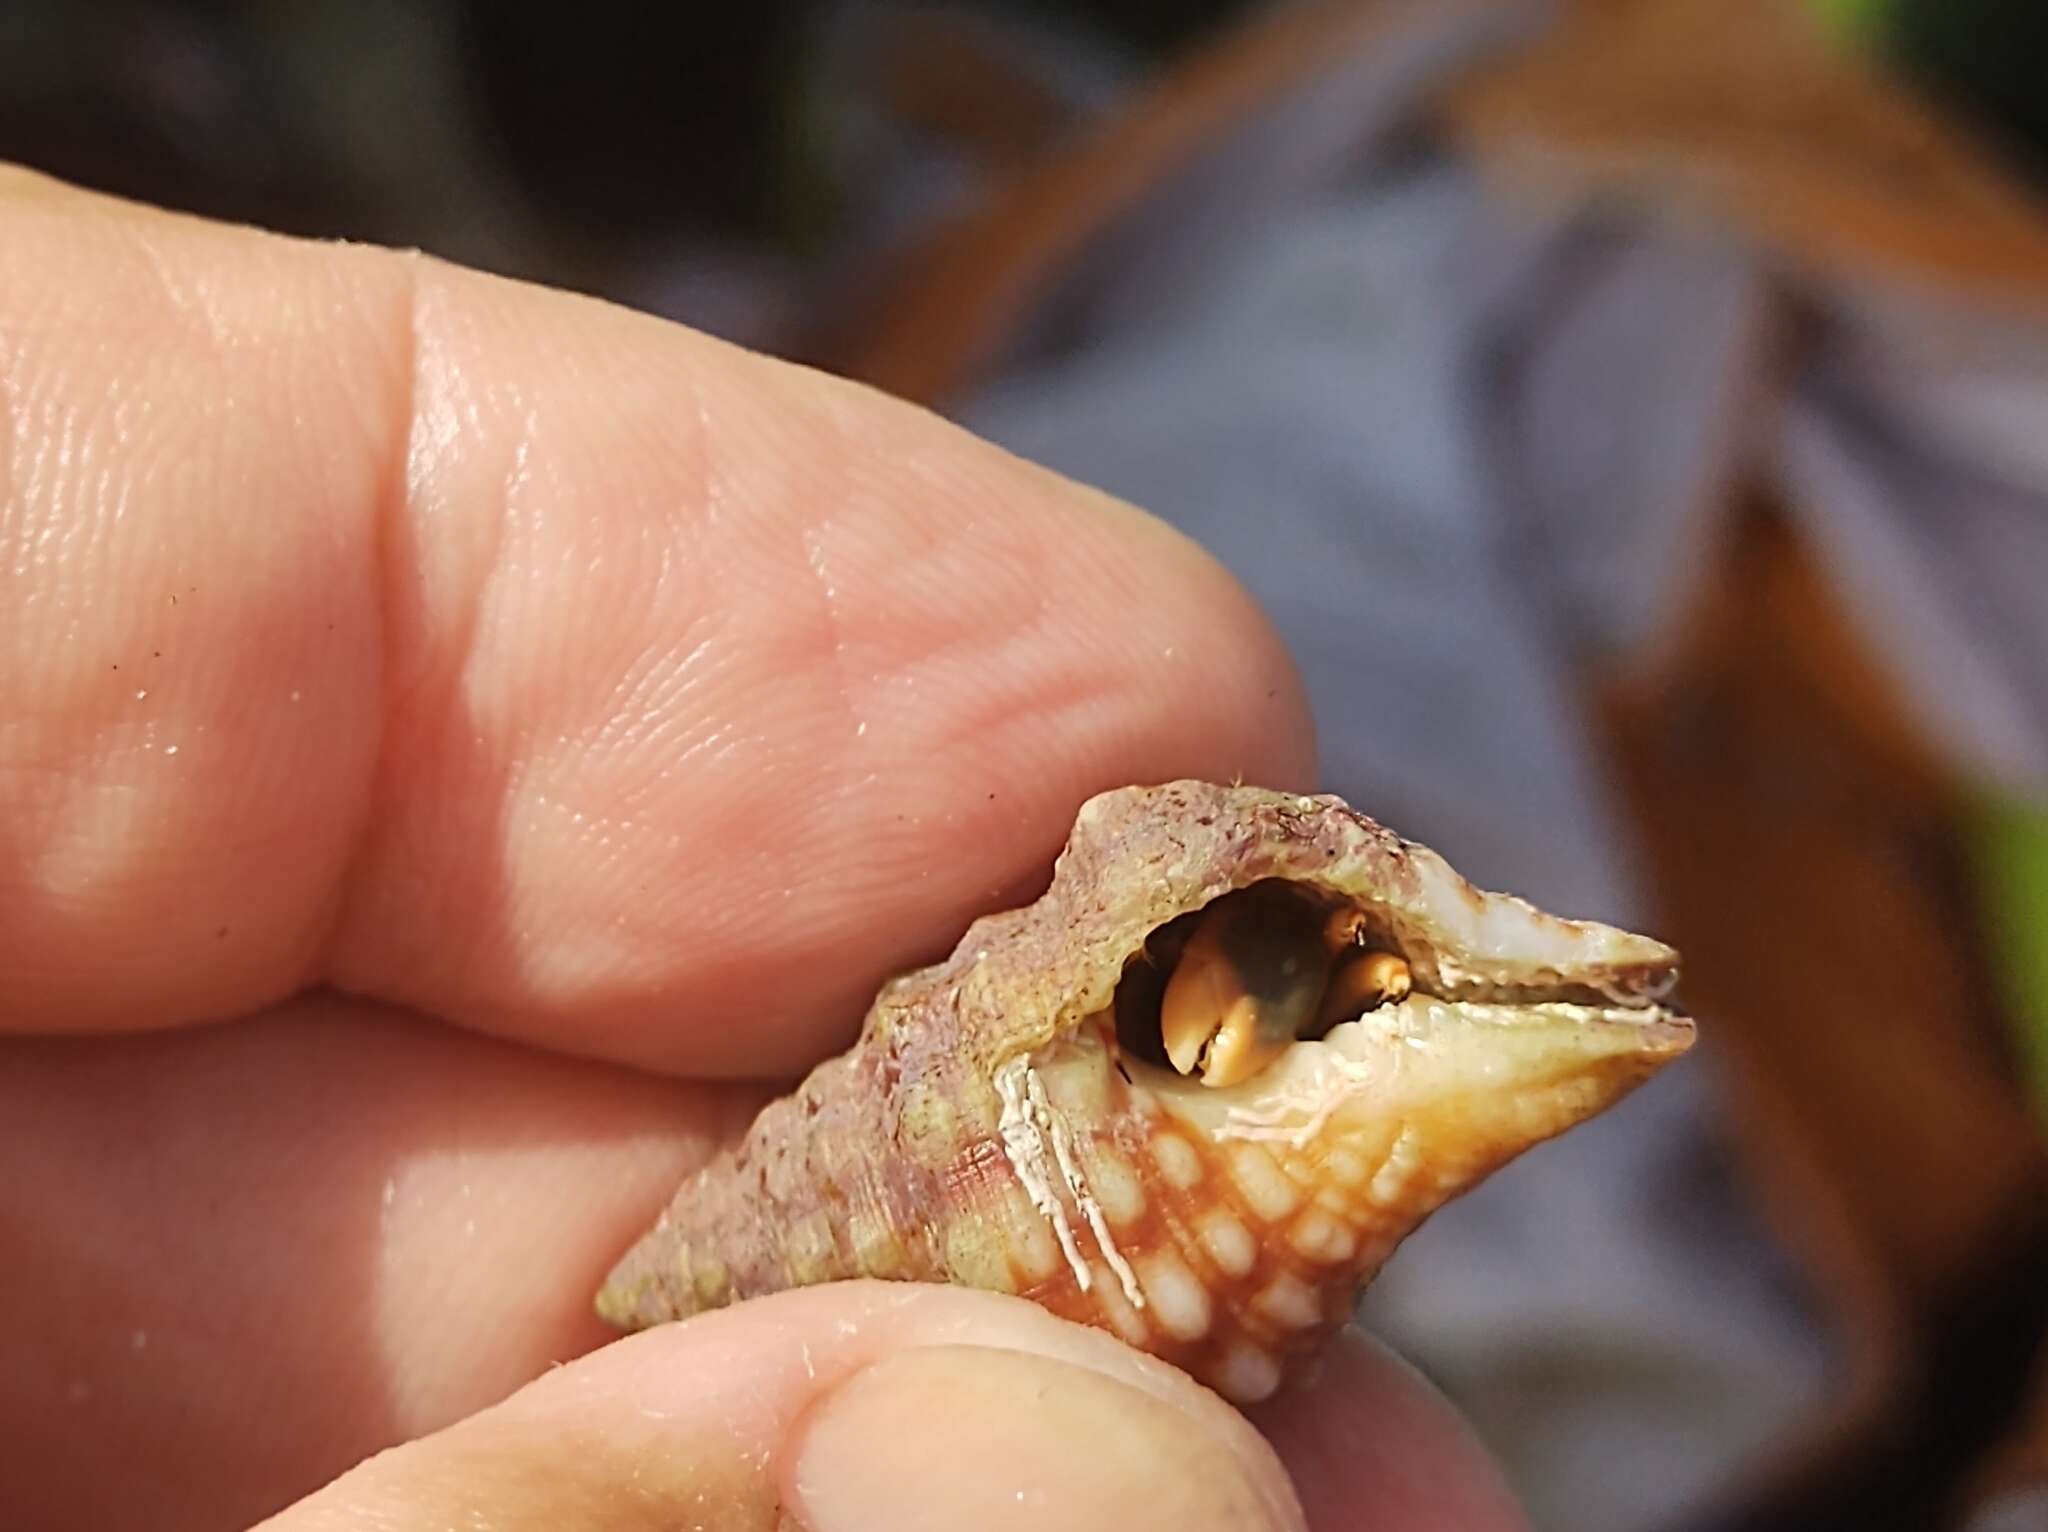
[(836, 1409)]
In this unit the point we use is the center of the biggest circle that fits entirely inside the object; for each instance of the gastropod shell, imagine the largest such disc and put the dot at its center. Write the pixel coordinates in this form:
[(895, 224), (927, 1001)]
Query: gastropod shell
[(1195, 1094)]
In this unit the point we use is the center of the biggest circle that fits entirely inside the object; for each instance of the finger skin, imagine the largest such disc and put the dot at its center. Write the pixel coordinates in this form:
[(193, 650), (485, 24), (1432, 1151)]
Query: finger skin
[(243, 1257), (257, 1254), (1370, 1444), (700, 1424), (531, 663)]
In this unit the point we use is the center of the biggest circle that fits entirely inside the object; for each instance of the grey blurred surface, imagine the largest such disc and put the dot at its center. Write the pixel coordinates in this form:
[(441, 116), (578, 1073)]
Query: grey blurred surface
[(1461, 447)]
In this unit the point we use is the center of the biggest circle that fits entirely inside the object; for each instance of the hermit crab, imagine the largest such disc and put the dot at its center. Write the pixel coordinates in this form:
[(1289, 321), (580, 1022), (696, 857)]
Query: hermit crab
[(1195, 1094)]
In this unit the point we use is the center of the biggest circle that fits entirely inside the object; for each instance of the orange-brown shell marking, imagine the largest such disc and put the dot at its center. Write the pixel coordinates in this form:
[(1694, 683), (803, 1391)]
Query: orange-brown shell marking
[(1007, 1121)]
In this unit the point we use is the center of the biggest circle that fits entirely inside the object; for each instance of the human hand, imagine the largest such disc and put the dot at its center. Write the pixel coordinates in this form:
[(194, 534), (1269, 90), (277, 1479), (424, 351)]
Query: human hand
[(452, 736)]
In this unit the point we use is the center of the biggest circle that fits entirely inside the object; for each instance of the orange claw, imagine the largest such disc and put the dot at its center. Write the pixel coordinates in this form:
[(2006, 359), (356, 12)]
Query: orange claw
[(1364, 984), (1247, 985)]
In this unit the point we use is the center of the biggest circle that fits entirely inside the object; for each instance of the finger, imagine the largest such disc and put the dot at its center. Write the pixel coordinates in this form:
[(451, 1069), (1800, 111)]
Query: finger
[(838, 1409), (242, 1257), (531, 663), (1369, 1443), (229, 1291)]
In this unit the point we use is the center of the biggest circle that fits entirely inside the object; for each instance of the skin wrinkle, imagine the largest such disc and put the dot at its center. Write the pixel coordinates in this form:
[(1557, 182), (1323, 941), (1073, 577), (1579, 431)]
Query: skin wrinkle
[(449, 849), (111, 446), (177, 299), (504, 745), (394, 316), (813, 546), (815, 537), (634, 744), (861, 695), (665, 681), (426, 657), (391, 498), (867, 696), (964, 650)]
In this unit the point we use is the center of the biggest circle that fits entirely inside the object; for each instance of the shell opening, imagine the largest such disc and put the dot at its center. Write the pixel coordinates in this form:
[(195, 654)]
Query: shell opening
[(1222, 993)]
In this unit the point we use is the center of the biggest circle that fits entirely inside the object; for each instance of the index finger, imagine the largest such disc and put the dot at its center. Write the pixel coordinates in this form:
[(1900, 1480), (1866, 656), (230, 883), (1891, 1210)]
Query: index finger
[(514, 658)]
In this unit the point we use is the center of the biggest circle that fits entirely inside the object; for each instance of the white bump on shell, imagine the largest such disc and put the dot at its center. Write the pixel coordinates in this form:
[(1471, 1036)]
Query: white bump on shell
[(1229, 1243), (1115, 1185), (1177, 1161), (1247, 1375), (1178, 1301), (1271, 1195), (1322, 1238), (1289, 1301)]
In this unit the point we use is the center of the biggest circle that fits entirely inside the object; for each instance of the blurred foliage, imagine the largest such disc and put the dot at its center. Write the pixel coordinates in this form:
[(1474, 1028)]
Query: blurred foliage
[(1983, 58), (2011, 855), (1861, 20), (1987, 58)]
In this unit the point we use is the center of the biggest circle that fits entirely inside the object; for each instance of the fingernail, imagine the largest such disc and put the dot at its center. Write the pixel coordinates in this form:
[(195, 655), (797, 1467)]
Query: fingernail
[(1005, 1441)]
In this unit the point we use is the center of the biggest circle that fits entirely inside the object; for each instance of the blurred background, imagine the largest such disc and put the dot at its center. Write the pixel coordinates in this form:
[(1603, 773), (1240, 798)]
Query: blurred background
[(1632, 411)]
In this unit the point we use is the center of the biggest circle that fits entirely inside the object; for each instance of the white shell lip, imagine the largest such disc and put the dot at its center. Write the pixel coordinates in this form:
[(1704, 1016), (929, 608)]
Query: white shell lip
[(1490, 928), (1428, 1047), (1477, 944)]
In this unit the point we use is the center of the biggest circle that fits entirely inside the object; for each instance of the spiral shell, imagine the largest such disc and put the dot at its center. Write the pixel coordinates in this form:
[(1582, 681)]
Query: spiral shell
[(1001, 1125)]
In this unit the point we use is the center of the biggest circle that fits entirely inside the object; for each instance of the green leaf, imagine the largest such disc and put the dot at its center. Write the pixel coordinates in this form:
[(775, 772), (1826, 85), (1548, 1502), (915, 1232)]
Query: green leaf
[(2009, 844)]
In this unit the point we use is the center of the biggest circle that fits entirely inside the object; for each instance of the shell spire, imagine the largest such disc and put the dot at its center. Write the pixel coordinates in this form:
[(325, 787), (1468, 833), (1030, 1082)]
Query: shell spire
[(1013, 1119)]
